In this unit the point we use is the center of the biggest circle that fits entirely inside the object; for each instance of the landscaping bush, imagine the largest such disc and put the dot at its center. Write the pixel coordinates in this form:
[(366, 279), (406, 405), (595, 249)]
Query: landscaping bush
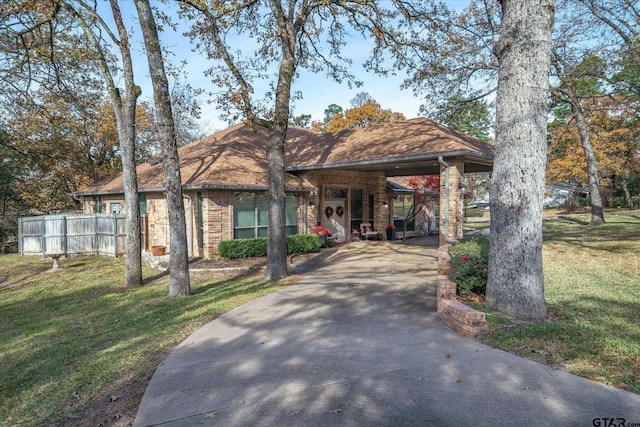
[(243, 248), (257, 247), (469, 259), (303, 243)]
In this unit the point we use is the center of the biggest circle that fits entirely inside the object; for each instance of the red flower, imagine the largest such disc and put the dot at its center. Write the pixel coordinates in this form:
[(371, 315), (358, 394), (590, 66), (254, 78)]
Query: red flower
[(322, 230), (465, 258), (391, 227)]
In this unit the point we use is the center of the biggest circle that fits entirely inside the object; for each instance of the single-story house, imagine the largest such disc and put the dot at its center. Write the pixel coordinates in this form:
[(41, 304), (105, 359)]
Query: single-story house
[(559, 193), (338, 180)]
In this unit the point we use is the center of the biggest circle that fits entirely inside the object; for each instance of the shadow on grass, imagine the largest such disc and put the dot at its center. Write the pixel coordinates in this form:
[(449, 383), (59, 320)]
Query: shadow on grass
[(596, 337), (573, 219), (65, 331), (151, 279), (613, 236)]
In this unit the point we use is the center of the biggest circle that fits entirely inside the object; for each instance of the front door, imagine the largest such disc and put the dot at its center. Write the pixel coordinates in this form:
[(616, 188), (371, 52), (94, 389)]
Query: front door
[(335, 217)]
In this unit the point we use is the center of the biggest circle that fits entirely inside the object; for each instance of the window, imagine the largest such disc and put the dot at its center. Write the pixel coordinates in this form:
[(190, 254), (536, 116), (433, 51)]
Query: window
[(403, 206), (356, 209), (142, 202), (114, 208), (251, 215), (335, 193), (97, 204)]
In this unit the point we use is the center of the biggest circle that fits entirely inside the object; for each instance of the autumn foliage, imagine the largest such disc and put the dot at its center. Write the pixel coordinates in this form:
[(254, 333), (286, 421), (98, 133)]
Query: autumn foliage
[(368, 114), (614, 133)]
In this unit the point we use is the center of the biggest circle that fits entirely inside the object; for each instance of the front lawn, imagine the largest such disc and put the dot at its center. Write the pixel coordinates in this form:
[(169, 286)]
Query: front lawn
[(592, 288), (78, 348)]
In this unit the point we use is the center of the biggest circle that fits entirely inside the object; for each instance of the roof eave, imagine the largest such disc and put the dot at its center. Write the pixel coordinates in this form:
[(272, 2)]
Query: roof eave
[(391, 160), (231, 187)]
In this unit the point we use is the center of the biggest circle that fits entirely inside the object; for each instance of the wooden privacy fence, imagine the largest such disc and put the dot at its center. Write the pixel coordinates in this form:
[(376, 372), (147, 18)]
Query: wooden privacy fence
[(101, 234)]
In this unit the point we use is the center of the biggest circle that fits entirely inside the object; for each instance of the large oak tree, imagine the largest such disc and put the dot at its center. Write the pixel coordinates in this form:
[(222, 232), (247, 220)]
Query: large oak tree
[(516, 283), (59, 44), (281, 37), (179, 254)]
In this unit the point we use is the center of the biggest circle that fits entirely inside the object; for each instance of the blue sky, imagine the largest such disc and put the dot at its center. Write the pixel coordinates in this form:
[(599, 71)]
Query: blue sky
[(318, 90)]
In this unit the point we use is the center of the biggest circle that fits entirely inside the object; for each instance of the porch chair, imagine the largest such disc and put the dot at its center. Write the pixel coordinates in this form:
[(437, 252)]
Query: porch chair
[(367, 231)]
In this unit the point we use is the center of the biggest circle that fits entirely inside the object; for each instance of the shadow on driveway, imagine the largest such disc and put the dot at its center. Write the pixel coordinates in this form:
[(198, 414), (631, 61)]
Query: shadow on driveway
[(357, 343)]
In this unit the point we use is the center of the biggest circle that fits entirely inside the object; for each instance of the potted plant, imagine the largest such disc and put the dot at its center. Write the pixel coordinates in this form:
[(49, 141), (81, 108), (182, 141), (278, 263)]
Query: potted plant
[(158, 250), (391, 232), (324, 234)]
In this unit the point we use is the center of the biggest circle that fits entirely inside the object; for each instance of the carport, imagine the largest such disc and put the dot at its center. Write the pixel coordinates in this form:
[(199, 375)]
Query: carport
[(407, 148)]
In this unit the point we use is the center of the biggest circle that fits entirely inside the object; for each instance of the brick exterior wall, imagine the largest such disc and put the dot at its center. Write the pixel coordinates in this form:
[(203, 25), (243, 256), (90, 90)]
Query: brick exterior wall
[(371, 183), (157, 233), (218, 220), (217, 209), (456, 203), (457, 316)]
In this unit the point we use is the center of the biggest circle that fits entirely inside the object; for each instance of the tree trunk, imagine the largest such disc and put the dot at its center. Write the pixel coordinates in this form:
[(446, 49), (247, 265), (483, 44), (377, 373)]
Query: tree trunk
[(597, 212), (277, 243), (516, 283), (125, 111), (178, 254), (627, 193), (126, 131), (277, 238)]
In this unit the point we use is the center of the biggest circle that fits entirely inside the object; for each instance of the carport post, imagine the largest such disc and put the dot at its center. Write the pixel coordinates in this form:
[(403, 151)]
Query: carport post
[(454, 217)]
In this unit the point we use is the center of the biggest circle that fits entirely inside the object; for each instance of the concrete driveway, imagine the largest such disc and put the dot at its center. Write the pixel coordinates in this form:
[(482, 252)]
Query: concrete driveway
[(357, 343)]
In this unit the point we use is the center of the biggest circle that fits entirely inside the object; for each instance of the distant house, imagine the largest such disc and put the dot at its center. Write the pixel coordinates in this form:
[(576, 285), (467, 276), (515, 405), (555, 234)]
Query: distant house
[(560, 193), (337, 180)]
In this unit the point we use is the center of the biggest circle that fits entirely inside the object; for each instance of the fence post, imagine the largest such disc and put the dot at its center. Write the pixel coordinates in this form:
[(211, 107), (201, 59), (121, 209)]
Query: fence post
[(115, 236), (64, 235), (20, 237), (43, 231), (95, 234)]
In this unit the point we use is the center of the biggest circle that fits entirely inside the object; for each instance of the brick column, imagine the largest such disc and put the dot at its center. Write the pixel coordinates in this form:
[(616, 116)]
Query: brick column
[(456, 204), (380, 213)]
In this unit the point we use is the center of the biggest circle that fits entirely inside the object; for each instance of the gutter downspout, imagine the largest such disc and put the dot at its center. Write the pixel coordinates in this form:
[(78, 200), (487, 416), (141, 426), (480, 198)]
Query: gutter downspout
[(446, 201), (190, 236), (305, 214)]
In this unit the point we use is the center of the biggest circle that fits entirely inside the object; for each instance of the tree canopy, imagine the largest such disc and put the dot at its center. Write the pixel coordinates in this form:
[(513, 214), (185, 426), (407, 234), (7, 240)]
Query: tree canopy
[(469, 117), (368, 114)]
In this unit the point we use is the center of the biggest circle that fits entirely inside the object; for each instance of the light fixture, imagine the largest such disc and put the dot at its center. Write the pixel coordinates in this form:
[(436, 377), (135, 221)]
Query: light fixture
[(312, 204), (463, 187), (385, 204)]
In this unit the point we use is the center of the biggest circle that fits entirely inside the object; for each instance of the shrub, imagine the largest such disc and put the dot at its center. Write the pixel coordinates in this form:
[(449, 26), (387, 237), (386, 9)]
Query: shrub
[(243, 248), (257, 247), (303, 243), (469, 259)]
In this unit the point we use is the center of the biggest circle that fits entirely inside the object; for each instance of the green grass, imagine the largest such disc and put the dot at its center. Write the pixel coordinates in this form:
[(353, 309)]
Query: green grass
[(67, 336), (592, 289)]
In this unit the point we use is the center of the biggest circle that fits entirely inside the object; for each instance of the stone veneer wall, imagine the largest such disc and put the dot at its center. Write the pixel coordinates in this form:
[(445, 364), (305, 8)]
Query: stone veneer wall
[(454, 314)]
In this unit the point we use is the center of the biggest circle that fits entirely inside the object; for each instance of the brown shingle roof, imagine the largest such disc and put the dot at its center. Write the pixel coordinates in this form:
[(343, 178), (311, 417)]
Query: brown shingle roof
[(415, 138), (235, 158)]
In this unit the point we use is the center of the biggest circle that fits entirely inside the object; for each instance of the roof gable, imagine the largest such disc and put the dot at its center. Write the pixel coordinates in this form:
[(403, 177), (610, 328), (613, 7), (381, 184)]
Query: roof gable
[(415, 138), (235, 158)]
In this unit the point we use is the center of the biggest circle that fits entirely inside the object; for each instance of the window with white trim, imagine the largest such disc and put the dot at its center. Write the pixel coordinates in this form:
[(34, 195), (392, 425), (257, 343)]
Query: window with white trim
[(251, 215)]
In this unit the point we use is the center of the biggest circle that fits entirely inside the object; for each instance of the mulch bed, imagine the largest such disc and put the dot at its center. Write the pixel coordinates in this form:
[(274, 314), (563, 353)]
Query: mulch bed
[(226, 263)]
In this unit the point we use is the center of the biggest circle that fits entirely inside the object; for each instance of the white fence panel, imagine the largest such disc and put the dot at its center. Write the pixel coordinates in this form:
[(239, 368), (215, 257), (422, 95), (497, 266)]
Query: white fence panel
[(31, 231), (81, 232), (72, 234)]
